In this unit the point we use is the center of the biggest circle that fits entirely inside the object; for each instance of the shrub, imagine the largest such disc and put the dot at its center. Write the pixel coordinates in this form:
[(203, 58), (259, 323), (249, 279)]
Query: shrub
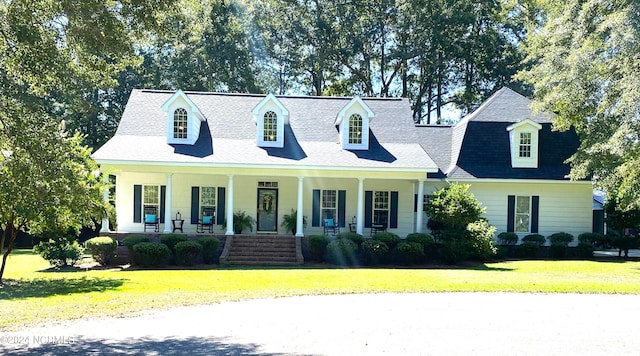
[(480, 235), (132, 240), (424, 239), (593, 238), (534, 238), (60, 250), (528, 249), (317, 246), (508, 238), (624, 243), (151, 254), (353, 236), (374, 252), (187, 252), (101, 248), (341, 252), (557, 250), (389, 238), (409, 253), (171, 240), (560, 238), (584, 250), (209, 249)]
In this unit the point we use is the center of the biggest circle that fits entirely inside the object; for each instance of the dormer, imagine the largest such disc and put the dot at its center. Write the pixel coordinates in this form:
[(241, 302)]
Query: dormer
[(183, 119), (270, 116), (523, 139), (353, 125)]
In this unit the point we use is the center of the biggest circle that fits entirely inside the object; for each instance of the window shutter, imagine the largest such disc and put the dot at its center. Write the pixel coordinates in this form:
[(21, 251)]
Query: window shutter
[(220, 211), (342, 214), (393, 218), (535, 208), (315, 210), (415, 203), (368, 208), (195, 204), (163, 200), (137, 203), (511, 213)]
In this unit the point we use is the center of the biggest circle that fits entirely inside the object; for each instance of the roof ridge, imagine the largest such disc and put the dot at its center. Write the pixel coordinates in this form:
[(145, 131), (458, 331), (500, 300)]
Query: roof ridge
[(484, 105), (194, 92)]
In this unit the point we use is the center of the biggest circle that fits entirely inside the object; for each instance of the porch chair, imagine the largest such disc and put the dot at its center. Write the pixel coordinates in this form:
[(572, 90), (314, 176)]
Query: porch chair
[(330, 227), (151, 218), (207, 220)]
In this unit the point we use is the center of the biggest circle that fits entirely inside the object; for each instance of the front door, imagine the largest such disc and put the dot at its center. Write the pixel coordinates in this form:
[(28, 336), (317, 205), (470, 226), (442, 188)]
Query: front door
[(267, 210)]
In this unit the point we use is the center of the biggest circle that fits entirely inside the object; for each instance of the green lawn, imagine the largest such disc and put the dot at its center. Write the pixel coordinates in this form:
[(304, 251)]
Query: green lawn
[(36, 295)]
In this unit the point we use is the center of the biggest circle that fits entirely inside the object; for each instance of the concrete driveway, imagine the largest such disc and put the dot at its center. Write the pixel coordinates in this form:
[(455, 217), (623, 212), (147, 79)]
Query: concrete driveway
[(378, 324)]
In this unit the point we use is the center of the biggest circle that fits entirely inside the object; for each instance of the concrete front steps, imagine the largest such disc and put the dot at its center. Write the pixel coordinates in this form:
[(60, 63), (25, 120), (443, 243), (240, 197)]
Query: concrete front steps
[(262, 250)]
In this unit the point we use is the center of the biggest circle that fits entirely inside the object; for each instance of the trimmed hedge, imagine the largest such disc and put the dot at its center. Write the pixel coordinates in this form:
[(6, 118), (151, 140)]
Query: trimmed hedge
[(317, 247), (560, 238), (409, 253), (209, 249), (132, 240), (557, 250), (534, 238), (593, 238), (171, 240), (342, 252), (353, 236), (425, 240), (508, 238), (60, 251), (388, 238), (151, 254), (374, 252), (584, 250), (101, 248), (528, 249), (187, 252)]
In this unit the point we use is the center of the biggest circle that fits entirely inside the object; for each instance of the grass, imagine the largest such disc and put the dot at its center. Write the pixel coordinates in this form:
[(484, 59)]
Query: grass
[(36, 295)]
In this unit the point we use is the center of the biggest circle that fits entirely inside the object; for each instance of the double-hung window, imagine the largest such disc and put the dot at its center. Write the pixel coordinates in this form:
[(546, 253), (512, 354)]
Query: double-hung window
[(329, 204), (524, 149), (523, 214), (207, 201), (381, 208), (151, 197)]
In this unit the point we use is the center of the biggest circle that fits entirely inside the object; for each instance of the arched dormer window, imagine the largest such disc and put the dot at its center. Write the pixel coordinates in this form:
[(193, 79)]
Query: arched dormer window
[(270, 132), (180, 123), (270, 117), (355, 129)]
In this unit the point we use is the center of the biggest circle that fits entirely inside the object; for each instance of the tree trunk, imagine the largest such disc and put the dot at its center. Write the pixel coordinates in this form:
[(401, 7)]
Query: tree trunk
[(12, 237)]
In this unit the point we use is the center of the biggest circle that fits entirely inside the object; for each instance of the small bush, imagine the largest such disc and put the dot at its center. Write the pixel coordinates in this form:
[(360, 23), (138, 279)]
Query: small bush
[(353, 236), (507, 238), (374, 252), (151, 254), (342, 252), (408, 253), (528, 249), (593, 238), (389, 238), (187, 252), (480, 235), (209, 249), (534, 238), (132, 240), (317, 247), (560, 238), (424, 239), (584, 250), (171, 240), (60, 250), (624, 243), (557, 250), (101, 248)]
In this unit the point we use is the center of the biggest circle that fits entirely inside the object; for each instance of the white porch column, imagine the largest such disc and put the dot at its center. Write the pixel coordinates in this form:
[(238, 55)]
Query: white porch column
[(360, 208), (299, 217), (230, 207), (168, 225), (105, 197), (420, 207)]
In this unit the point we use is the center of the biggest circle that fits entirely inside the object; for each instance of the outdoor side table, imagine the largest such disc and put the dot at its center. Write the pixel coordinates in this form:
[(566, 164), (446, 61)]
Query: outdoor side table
[(177, 225)]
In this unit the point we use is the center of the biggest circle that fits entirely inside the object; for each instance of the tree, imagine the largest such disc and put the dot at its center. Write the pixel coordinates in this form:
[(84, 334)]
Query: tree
[(585, 68)]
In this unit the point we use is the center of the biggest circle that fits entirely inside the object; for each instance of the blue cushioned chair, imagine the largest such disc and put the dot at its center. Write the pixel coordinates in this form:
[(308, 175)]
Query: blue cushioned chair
[(207, 220), (151, 218), (330, 227)]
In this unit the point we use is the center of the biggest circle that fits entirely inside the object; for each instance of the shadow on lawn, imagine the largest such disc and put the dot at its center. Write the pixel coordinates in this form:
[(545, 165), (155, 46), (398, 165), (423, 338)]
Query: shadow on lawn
[(40, 288)]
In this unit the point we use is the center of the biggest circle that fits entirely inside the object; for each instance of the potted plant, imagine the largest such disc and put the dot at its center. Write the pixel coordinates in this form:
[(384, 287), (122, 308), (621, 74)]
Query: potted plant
[(290, 221), (241, 221)]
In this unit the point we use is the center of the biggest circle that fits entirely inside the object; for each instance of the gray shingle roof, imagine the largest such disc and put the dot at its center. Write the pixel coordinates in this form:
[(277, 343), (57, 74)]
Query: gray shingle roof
[(229, 134)]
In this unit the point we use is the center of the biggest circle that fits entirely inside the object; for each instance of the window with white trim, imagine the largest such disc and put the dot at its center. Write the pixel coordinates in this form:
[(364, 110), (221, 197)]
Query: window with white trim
[(151, 197), (207, 201), (524, 149), (180, 122), (329, 204), (355, 129), (270, 131), (381, 208), (523, 214)]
